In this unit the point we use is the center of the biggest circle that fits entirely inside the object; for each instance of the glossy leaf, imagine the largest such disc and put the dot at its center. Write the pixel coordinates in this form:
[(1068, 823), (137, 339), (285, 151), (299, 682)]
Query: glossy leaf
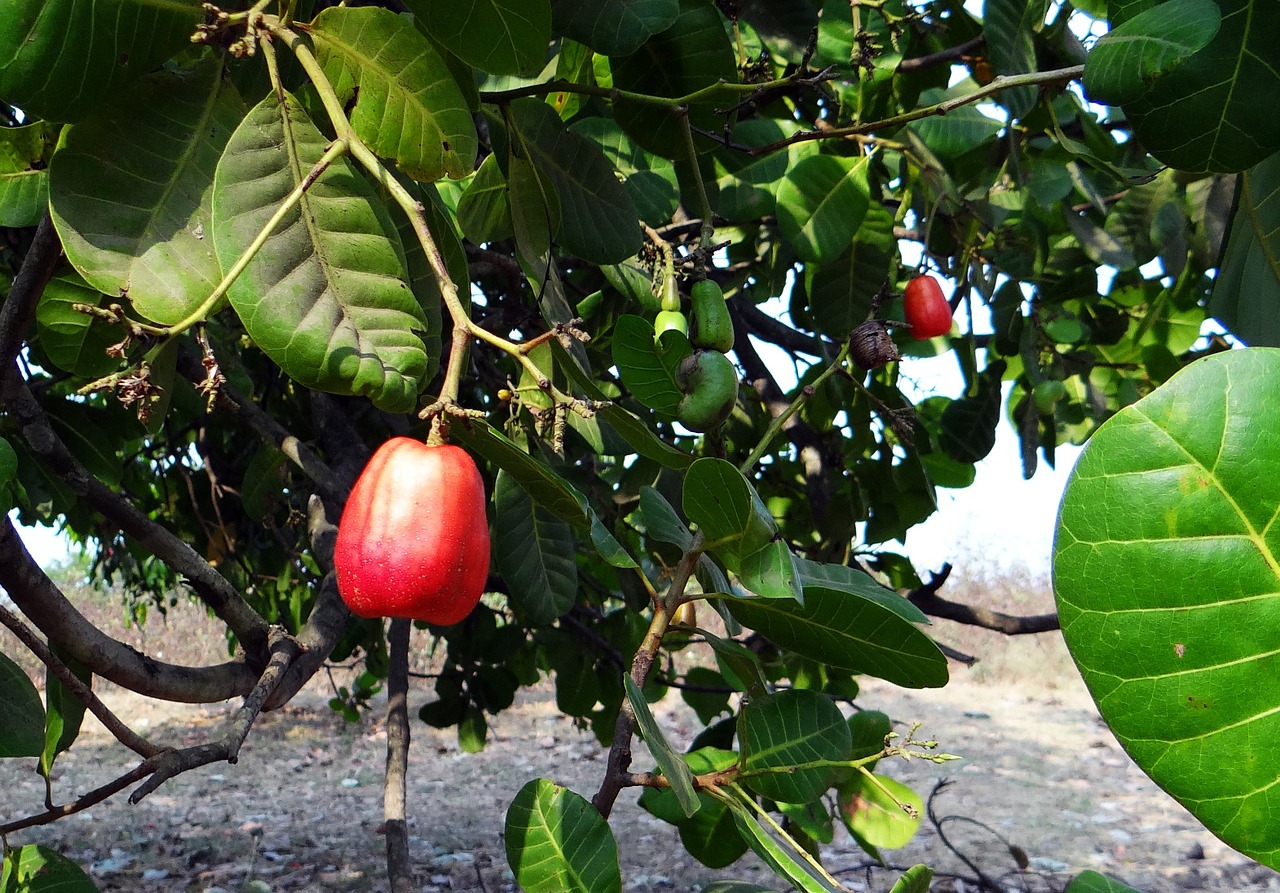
[(596, 218), (661, 521), (780, 852), (24, 178), (534, 551), (74, 341), (22, 734), (672, 765), (849, 632), (711, 834), (873, 813), (557, 842), (648, 368), (1177, 649), (649, 179), (406, 104), (326, 297), (38, 869), (1246, 293), (60, 58), (498, 36), (642, 439), (541, 482), (722, 502), (771, 572), (859, 583), (696, 38), (787, 729), (821, 203), (130, 190), (1204, 115), (1139, 51), (613, 27)]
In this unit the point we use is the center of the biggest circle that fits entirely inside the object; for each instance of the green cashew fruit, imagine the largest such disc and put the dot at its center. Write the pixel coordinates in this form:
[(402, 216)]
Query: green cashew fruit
[(710, 385), (668, 320), (712, 327), (1047, 394)]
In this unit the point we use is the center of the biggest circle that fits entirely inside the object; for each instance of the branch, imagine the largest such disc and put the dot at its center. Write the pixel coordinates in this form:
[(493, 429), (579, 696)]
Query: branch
[(399, 871), (950, 54), (34, 274), (926, 598), (210, 586), (82, 692), (769, 329), (44, 605)]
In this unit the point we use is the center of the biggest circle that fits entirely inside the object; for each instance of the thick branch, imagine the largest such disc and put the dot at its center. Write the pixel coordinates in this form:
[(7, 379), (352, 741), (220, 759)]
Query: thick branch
[(399, 872), (20, 306), (926, 598), (44, 605), (82, 692), (769, 329), (211, 587)]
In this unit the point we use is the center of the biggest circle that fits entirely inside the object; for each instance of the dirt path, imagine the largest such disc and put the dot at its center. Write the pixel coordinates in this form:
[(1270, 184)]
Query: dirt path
[(300, 811)]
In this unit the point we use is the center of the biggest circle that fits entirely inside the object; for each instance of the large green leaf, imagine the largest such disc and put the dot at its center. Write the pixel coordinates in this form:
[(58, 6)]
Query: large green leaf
[(539, 480), (1125, 62), (859, 583), (24, 175), (407, 106), (821, 203), (1213, 111), (721, 501), (597, 219), (1010, 27), (557, 842), (840, 292), (872, 811), (534, 551), (692, 54), (672, 765), (785, 730), (649, 179), (60, 58), (1246, 292), (326, 297), (22, 733), (131, 188), (647, 368), (1165, 571), (37, 869), (484, 211), (613, 27), (850, 632), (497, 36), (710, 835), (74, 341)]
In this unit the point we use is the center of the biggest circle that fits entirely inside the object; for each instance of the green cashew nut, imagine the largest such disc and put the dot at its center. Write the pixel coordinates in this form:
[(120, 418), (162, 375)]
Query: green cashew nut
[(709, 382), (668, 320), (712, 326)]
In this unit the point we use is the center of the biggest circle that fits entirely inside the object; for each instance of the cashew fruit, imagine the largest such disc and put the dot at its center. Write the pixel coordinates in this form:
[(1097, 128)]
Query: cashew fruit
[(709, 382), (712, 326)]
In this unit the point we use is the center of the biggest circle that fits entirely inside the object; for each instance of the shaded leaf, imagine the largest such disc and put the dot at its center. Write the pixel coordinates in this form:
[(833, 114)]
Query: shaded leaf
[(534, 551), (613, 27), (1125, 61), (821, 203), (497, 36), (24, 178), (22, 733), (1246, 292), (672, 765), (785, 730)]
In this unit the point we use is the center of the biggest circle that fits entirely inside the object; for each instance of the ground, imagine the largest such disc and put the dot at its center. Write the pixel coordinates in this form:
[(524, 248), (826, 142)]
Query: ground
[(300, 810)]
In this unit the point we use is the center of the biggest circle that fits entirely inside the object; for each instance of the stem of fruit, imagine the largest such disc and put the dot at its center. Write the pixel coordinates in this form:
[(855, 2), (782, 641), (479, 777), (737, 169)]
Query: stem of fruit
[(776, 426), (708, 231), (393, 792), (413, 210), (617, 771)]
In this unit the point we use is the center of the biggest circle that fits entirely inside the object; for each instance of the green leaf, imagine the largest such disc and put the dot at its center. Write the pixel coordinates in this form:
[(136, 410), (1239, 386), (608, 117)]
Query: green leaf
[(557, 842), (59, 59), (547, 488), (8, 462), (692, 54), (1246, 292), (484, 211), (596, 219), (534, 551), (957, 132), (1208, 113), (648, 368), (660, 520), (1125, 62), (37, 869), (264, 483), (873, 812), (497, 36), (407, 106), (672, 765), (130, 189), (711, 835), (915, 879), (22, 733), (649, 180), (821, 203), (535, 209), (849, 632), (642, 439), (326, 297), (1165, 573), (608, 546), (24, 178), (473, 730), (1010, 27), (613, 27), (779, 851), (722, 502), (64, 711), (785, 730), (856, 582), (771, 572), (1093, 882), (75, 342), (968, 425), (840, 292)]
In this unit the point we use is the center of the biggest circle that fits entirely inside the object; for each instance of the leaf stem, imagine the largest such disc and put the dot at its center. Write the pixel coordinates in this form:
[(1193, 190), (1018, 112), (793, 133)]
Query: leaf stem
[(776, 426)]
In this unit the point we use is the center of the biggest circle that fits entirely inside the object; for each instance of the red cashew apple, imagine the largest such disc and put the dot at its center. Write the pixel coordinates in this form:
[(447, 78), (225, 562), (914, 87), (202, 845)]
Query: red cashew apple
[(413, 541), (926, 309)]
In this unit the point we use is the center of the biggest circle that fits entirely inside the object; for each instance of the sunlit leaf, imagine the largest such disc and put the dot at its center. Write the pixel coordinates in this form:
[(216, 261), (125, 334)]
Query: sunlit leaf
[(557, 842)]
